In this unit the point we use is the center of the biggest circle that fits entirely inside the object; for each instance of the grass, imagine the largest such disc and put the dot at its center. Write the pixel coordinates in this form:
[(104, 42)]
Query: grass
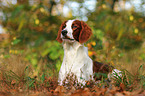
[(133, 71), (18, 74)]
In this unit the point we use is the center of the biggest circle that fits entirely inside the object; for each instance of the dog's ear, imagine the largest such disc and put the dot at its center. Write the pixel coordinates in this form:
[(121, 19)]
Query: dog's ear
[(85, 33), (59, 32)]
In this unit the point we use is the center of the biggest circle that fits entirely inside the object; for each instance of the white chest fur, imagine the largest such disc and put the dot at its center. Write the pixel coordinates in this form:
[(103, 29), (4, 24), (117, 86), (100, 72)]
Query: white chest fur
[(76, 61)]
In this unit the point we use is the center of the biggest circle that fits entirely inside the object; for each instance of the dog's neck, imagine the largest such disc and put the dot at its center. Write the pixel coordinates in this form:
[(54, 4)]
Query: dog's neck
[(68, 46), (74, 52)]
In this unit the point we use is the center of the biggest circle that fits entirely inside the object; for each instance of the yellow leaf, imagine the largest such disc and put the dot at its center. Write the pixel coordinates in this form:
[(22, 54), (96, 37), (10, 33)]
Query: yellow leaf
[(113, 47), (104, 6), (10, 51), (131, 18), (34, 6), (37, 21), (90, 53), (136, 30), (89, 45), (12, 43), (93, 43), (20, 25), (14, 38), (2, 56), (42, 9), (15, 51), (120, 34)]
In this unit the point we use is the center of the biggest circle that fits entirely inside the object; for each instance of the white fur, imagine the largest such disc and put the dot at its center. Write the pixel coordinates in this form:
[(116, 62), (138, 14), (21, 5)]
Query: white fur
[(76, 59), (69, 29), (115, 73)]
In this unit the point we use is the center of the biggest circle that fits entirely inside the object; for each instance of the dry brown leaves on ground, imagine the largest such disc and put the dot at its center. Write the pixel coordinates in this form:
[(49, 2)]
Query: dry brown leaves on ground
[(62, 91)]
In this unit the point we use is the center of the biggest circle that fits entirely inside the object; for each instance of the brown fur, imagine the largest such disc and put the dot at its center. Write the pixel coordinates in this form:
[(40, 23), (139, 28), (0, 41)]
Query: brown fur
[(101, 68), (85, 33), (59, 32), (76, 31)]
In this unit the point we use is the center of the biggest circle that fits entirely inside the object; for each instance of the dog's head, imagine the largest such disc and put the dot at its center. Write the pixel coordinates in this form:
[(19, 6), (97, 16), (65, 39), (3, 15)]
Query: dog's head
[(74, 30)]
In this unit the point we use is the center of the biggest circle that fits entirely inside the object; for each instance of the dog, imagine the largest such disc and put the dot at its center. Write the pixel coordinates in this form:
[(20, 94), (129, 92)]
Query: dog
[(73, 34), (76, 62)]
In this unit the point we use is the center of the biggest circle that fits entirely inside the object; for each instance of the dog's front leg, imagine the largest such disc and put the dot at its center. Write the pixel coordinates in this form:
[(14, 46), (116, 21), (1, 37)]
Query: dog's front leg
[(62, 75)]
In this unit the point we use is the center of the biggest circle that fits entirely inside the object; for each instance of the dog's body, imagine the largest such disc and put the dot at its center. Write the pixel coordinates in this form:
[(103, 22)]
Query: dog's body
[(73, 34), (76, 61)]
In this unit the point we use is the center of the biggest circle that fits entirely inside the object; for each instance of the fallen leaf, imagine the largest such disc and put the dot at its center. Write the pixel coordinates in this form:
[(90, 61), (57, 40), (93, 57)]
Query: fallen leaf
[(81, 92), (95, 89), (98, 93), (86, 89), (13, 90), (136, 92), (35, 94), (103, 90), (72, 90), (88, 83), (20, 89), (122, 86), (109, 94), (13, 82), (59, 89), (5, 94), (119, 94), (143, 92), (127, 93)]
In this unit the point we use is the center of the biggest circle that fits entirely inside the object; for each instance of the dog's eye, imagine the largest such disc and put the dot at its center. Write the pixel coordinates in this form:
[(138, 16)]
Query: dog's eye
[(74, 26), (63, 26)]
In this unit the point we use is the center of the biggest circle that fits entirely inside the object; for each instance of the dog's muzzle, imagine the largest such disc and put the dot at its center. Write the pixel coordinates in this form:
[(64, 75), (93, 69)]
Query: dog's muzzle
[(64, 32)]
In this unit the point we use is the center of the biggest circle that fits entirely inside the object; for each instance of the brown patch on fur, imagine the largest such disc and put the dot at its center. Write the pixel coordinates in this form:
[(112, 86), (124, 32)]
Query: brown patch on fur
[(85, 33), (76, 29), (101, 68), (59, 32)]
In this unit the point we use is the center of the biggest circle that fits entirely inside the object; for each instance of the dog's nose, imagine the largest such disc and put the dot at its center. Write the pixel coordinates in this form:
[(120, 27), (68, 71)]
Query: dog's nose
[(64, 32)]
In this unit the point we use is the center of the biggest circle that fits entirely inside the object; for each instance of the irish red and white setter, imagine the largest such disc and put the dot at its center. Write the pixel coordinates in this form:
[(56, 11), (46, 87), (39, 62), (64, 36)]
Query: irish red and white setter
[(73, 34)]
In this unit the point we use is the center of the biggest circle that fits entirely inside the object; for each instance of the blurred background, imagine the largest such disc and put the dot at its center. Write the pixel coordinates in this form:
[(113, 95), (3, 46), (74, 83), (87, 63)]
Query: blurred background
[(28, 29)]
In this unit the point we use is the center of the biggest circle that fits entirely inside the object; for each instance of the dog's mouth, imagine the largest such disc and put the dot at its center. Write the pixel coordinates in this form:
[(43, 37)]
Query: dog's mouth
[(68, 38)]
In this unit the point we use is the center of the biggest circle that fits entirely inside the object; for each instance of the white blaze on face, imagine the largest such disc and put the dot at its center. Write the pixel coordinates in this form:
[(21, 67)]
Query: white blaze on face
[(68, 28)]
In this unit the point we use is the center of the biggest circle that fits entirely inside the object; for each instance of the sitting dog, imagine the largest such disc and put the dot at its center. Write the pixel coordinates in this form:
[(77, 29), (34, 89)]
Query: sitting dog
[(73, 34)]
